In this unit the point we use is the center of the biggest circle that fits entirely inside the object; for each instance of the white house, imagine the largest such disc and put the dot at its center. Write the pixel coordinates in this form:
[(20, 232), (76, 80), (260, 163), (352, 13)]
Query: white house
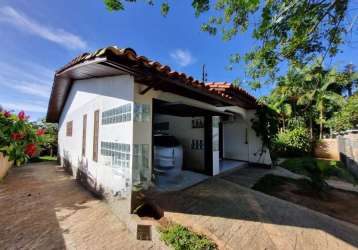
[(108, 103)]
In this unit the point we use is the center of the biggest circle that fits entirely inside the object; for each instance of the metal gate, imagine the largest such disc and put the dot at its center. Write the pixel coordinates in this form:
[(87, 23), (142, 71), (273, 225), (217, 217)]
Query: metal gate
[(348, 151)]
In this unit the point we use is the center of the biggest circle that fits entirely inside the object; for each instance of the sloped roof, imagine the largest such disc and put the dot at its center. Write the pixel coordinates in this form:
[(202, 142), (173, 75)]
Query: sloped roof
[(229, 89), (144, 69)]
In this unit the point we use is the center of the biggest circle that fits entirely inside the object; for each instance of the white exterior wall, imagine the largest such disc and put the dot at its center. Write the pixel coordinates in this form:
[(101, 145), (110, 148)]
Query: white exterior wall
[(85, 97), (257, 153), (235, 135), (102, 94)]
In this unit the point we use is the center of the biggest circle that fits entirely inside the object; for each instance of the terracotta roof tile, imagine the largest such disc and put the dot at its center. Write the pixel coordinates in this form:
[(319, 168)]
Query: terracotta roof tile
[(223, 89), (229, 89)]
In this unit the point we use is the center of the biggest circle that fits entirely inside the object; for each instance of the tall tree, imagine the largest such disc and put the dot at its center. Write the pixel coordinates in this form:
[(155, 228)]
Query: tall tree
[(349, 79), (316, 90), (347, 117), (293, 31), (312, 93)]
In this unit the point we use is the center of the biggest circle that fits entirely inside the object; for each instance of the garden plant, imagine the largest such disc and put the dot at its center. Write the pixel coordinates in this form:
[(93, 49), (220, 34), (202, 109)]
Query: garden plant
[(19, 140)]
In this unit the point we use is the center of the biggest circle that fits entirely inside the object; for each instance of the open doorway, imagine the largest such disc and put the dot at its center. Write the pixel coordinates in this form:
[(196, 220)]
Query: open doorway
[(182, 144)]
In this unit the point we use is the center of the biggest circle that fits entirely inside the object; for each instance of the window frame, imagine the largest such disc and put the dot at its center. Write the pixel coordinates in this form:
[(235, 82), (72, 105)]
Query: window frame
[(84, 134), (69, 128), (95, 135)]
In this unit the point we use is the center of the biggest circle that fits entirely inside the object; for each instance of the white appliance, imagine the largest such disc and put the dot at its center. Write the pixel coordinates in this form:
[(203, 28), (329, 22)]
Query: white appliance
[(168, 155)]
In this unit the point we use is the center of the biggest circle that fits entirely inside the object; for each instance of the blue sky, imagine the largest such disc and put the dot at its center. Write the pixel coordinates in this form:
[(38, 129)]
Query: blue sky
[(38, 37)]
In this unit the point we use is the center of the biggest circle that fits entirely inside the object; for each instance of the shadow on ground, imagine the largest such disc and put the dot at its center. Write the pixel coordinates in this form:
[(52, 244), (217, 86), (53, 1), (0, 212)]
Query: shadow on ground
[(238, 215)]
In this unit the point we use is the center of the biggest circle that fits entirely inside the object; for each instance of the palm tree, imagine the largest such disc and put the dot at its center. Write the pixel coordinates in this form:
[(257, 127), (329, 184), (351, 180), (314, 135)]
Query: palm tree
[(349, 79), (277, 101), (316, 91), (283, 98)]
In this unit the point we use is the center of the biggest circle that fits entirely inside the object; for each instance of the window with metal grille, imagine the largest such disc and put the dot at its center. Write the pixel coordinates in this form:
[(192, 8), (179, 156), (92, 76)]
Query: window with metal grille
[(141, 112), (69, 126), (118, 152), (117, 115)]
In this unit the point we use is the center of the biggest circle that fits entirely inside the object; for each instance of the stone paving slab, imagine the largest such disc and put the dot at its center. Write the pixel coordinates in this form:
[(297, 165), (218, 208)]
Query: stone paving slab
[(41, 207), (240, 218)]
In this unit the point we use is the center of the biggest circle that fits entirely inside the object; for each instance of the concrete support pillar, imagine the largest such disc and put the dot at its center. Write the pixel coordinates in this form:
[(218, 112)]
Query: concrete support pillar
[(215, 138)]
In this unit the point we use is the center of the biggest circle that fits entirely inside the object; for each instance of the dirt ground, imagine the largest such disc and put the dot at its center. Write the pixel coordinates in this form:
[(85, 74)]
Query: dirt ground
[(41, 207), (336, 203)]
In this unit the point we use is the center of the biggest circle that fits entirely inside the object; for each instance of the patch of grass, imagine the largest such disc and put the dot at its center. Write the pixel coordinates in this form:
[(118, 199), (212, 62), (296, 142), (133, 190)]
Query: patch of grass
[(43, 158), (270, 183), (181, 238), (330, 168)]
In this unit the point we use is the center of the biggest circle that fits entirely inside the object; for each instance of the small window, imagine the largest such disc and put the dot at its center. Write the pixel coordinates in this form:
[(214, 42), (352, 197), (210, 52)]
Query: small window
[(84, 132), (69, 126), (117, 115), (95, 135)]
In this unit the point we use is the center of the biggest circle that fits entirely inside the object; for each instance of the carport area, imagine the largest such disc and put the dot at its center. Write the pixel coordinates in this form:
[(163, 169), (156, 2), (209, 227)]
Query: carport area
[(186, 144)]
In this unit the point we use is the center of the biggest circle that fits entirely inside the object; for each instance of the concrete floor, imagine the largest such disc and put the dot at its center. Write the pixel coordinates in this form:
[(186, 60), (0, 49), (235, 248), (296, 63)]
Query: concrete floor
[(240, 218), (227, 165), (41, 207), (182, 181), (187, 179)]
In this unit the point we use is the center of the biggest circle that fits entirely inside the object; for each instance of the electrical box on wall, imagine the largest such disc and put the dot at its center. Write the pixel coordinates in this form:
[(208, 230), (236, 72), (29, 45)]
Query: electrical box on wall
[(197, 123), (197, 144)]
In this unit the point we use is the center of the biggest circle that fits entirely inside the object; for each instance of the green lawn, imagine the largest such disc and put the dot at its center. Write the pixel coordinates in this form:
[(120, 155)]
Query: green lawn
[(43, 158), (181, 238), (333, 168)]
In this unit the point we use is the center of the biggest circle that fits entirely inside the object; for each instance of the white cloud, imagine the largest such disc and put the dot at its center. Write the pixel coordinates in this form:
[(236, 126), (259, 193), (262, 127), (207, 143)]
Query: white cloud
[(26, 106), (27, 78), (182, 57), (39, 90), (59, 36), (25, 71)]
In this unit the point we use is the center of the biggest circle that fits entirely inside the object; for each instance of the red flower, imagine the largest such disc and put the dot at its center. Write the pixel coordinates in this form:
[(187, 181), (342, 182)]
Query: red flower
[(7, 114), (16, 136), (30, 149), (40, 132), (22, 116)]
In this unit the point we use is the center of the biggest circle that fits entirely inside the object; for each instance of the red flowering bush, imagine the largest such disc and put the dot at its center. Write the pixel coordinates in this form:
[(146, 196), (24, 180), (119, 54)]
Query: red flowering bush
[(19, 140)]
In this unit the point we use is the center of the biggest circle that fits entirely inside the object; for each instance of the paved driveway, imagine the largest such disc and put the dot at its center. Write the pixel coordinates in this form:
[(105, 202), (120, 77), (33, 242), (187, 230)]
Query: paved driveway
[(240, 218), (43, 208)]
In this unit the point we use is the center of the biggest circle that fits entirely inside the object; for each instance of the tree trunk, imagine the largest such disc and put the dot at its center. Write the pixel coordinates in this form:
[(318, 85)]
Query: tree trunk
[(349, 88), (283, 124), (311, 128), (321, 123)]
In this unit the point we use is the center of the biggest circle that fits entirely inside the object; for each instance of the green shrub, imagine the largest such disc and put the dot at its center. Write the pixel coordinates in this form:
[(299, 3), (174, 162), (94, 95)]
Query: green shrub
[(269, 183), (330, 168), (181, 238), (295, 142), (297, 121), (318, 174)]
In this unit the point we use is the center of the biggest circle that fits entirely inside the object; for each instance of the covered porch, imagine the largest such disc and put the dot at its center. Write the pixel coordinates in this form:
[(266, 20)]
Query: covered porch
[(195, 153)]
